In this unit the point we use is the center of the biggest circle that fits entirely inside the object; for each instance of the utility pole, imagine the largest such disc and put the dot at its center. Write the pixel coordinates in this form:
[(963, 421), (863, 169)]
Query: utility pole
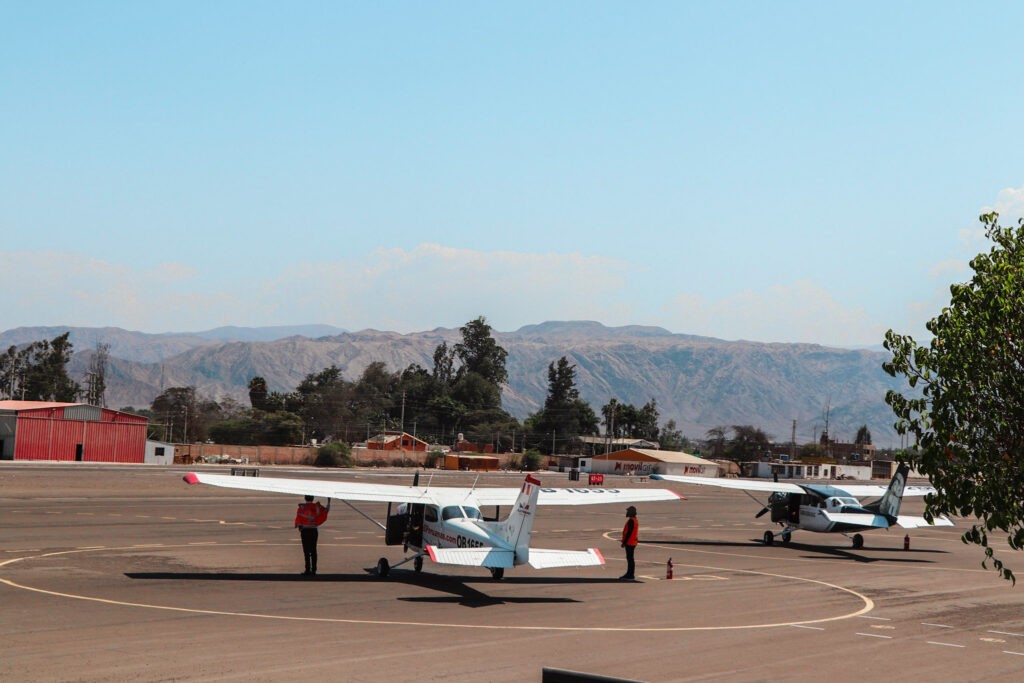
[(792, 451)]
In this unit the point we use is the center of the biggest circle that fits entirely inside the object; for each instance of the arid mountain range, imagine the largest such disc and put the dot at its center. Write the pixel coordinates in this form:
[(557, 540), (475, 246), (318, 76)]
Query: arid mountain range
[(699, 382)]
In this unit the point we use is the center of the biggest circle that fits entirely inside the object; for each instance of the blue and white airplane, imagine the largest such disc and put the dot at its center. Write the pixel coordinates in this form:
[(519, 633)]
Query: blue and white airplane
[(828, 509)]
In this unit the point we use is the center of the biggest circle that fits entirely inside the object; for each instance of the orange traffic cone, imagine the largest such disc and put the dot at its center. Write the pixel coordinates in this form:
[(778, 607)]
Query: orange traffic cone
[(668, 570)]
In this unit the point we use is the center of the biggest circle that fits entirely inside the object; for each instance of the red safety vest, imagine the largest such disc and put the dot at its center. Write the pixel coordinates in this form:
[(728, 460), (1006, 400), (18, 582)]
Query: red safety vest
[(631, 536), (310, 515)]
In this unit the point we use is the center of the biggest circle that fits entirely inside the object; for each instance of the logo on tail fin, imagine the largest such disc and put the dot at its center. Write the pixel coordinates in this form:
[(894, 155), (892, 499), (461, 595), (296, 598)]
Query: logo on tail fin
[(890, 503)]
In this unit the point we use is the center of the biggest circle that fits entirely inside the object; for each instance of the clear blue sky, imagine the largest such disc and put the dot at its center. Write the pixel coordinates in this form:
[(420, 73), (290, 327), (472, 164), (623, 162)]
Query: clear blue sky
[(775, 171)]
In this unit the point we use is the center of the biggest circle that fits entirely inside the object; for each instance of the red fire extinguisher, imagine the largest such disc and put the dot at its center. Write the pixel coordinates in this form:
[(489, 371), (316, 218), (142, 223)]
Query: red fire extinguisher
[(668, 570), (906, 542)]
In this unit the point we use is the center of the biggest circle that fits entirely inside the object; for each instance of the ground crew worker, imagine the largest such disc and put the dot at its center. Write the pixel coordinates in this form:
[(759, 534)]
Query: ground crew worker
[(308, 517), (630, 537)]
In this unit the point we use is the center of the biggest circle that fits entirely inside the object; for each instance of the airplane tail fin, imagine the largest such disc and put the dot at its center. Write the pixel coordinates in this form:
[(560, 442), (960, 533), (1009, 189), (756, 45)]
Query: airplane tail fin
[(518, 526), (889, 505)]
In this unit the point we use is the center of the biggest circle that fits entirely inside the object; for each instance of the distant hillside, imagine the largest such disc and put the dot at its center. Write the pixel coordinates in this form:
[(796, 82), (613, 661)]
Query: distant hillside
[(700, 382)]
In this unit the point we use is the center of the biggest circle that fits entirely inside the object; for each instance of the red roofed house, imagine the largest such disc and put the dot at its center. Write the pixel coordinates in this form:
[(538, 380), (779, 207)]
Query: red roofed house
[(396, 441)]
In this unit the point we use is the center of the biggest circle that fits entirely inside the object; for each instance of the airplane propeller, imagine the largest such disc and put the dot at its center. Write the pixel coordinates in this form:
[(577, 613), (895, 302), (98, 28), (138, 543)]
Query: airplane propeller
[(763, 510)]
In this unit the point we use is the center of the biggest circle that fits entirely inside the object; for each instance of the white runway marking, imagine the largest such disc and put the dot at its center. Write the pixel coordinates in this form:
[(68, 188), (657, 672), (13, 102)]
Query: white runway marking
[(863, 616), (1007, 633), (925, 623), (874, 635), (868, 605), (812, 628), (933, 642), (1011, 652)]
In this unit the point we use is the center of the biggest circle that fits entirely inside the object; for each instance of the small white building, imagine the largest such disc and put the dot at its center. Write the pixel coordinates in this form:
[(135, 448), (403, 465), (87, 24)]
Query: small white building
[(805, 470), (159, 453)]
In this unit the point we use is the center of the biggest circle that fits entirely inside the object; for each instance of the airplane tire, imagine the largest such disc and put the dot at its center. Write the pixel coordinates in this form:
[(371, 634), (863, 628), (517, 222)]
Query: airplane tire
[(417, 564), (497, 573), (383, 567), (785, 537), (769, 538), (858, 541)]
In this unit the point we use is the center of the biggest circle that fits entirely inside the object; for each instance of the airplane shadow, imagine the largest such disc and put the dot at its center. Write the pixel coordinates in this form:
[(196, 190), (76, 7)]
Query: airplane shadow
[(458, 589), (819, 551)]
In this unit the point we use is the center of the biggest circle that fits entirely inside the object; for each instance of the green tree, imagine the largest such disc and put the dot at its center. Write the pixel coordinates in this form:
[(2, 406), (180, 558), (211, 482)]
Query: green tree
[(672, 439), (748, 443), (258, 393), (177, 408), (41, 371), (480, 354), (863, 437), (565, 414), (965, 409)]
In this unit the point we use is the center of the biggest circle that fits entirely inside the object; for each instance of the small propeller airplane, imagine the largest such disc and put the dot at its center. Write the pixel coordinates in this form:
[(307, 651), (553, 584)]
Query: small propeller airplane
[(445, 523), (828, 509)]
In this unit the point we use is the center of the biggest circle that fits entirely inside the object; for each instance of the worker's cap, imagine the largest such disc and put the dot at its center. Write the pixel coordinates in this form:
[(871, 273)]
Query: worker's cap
[(309, 499)]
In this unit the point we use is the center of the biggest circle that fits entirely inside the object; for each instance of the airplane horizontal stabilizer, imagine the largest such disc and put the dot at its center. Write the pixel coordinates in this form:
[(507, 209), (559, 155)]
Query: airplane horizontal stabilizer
[(541, 558), (911, 522), (856, 519), (473, 557)]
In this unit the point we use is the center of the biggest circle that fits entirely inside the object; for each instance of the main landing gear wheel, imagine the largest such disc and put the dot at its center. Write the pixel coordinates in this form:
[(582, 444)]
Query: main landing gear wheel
[(383, 567), (785, 536), (858, 541), (497, 573), (417, 564), (769, 538)]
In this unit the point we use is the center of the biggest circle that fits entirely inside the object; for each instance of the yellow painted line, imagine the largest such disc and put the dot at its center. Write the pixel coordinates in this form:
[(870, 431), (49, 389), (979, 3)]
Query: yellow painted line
[(90, 547), (259, 541), (148, 545), (26, 550), (868, 605), (203, 543), (171, 518)]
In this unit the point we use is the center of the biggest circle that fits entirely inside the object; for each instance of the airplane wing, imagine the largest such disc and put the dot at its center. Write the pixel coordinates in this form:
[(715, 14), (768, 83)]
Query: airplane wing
[(580, 496), (541, 558), (739, 484), (855, 490), (473, 557), (342, 490), (912, 522), (390, 493), (868, 490)]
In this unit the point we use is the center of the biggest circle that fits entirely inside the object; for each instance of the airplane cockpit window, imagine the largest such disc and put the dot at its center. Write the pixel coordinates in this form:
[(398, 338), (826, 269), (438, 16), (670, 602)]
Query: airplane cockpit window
[(459, 512), (430, 513), (452, 512)]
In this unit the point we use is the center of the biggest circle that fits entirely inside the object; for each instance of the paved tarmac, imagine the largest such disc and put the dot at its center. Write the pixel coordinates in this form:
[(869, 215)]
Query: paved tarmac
[(114, 573)]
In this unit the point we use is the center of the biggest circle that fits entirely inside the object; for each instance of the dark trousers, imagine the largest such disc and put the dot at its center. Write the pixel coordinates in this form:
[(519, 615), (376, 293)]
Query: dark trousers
[(309, 536), (630, 564)]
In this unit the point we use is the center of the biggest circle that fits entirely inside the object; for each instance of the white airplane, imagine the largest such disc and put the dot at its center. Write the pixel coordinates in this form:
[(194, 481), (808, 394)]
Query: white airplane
[(445, 523), (828, 509)]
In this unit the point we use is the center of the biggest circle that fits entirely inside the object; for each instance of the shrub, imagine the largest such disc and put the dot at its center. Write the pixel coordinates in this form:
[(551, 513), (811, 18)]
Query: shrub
[(431, 458), (334, 454), (531, 460)]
